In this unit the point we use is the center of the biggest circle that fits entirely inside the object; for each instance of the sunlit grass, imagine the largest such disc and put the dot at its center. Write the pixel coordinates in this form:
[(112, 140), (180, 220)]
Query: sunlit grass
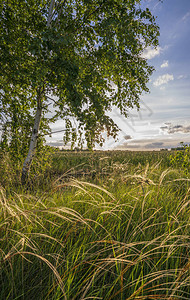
[(126, 238)]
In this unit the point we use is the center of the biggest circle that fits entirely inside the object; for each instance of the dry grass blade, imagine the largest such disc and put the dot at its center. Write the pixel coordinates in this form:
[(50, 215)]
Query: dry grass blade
[(184, 203), (66, 174), (162, 176), (83, 183)]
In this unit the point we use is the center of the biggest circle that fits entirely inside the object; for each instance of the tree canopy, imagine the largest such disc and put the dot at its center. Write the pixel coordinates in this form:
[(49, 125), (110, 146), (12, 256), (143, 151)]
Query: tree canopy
[(83, 56)]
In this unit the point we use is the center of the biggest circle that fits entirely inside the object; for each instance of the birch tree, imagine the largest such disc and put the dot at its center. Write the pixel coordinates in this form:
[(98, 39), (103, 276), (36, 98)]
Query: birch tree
[(85, 56)]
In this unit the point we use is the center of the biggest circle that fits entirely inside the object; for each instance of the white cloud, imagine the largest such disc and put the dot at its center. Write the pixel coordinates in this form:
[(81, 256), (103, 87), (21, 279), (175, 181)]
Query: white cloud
[(186, 16), (150, 52), (163, 79), (165, 64), (182, 77)]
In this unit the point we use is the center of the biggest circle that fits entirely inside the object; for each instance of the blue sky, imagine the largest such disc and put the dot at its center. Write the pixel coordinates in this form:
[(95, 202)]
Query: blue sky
[(164, 118)]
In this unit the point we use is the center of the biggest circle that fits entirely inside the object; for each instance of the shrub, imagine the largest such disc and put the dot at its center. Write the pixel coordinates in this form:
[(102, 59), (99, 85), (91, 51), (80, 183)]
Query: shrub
[(181, 158)]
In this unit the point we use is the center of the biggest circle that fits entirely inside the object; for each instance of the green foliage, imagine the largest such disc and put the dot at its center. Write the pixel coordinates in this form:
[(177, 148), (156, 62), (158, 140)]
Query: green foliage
[(41, 164), (181, 158), (17, 119), (89, 59)]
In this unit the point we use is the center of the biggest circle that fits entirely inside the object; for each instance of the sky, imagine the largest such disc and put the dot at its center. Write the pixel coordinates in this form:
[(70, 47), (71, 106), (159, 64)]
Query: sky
[(163, 120)]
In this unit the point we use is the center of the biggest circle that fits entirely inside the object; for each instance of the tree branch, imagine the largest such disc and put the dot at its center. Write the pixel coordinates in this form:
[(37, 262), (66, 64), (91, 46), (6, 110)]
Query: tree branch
[(50, 99)]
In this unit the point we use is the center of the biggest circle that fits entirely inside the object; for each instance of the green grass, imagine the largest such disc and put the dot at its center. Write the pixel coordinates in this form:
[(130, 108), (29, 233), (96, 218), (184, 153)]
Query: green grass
[(112, 225)]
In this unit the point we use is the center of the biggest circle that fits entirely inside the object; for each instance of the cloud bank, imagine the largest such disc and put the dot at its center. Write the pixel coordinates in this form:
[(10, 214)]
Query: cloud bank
[(157, 143), (169, 128)]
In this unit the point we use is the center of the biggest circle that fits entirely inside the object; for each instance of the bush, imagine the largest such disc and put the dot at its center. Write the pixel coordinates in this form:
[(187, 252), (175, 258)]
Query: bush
[(181, 158)]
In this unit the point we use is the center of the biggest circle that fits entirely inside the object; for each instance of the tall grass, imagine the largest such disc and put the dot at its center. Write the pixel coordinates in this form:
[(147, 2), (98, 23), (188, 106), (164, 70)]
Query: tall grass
[(126, 238)]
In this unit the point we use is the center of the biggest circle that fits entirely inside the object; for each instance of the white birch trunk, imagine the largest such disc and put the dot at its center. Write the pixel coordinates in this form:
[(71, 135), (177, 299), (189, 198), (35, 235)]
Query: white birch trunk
[(32, 147), (35, 131)]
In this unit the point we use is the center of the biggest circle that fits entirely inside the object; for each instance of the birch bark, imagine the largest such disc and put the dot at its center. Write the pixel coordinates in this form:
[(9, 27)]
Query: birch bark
[(33, 142)]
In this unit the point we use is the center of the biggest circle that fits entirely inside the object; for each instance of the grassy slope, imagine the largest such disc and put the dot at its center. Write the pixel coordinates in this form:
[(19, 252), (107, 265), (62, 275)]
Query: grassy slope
[(118, 231)]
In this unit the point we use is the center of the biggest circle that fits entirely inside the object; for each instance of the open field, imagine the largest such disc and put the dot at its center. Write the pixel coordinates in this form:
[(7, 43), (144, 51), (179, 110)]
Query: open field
[(102, 225)]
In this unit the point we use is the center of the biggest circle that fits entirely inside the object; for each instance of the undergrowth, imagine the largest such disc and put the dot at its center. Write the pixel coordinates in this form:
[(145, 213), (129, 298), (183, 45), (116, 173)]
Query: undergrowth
[(123, 236)]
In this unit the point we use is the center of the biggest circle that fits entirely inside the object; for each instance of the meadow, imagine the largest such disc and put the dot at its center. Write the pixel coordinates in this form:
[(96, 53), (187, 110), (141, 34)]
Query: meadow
[(96, 225)]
